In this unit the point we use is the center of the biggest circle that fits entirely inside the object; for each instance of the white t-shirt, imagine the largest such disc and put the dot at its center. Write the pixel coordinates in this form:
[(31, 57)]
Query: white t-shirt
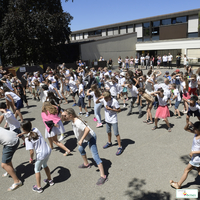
[(164, 58), (42, 149), (79, 128), (162, 100), (167, 91), (133, 91), (8, 138), (94, 97), (136, 60), (110, 116), (72, 85), (52, 79), (114, 88), (195, 147), (13, 123), (13, 95), (193, 84), (170, 57), (177, 93), (142, 59), (81, 87), (194, 108), (52, 88)]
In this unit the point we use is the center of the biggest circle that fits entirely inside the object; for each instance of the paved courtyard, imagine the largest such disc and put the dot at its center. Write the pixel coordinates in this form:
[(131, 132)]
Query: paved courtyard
[(150, 159)]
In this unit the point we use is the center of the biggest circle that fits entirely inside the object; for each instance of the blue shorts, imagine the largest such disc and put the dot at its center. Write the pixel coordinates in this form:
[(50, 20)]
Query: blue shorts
[(196, 113), (177, 104), (115, 128), (89, 97), (67, 88), (81, 102), (41, 163), (19, 104), (8, 152)]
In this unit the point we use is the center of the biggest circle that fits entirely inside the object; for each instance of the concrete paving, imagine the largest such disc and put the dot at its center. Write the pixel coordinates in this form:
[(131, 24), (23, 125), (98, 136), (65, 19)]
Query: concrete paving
[(150, 159)]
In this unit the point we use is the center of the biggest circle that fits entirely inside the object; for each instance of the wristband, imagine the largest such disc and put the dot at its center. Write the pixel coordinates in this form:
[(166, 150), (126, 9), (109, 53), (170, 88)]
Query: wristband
[(31, 159)]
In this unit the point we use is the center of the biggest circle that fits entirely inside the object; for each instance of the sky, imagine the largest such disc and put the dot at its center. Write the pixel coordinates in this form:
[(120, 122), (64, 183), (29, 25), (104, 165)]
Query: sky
[(93, 13)]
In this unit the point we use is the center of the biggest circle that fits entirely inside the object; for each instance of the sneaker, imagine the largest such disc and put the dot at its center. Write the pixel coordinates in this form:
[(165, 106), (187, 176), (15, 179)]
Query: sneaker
[(102, 180), (35, 98), (185, 111), (27, 107), (107, 145), (50, 182), (87, 115), (74, 104), (80, 113), (61, 138), (84, 166), (36, 189), (124, 105), (119, 151), (99, 125), (140, 116)]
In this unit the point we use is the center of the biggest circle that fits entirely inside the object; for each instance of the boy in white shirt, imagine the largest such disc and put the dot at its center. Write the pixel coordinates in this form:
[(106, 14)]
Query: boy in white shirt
[(177, 99), (111, 107)]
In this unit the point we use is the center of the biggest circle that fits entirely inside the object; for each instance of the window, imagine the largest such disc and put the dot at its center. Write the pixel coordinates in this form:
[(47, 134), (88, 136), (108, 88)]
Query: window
[(139, 39), (155, 31), (166, 21), (181, 19), (146, 25), (146, 32), (173, 20), (156, 23), (155, 37), (92, 33), (146, 39), (190, 35)]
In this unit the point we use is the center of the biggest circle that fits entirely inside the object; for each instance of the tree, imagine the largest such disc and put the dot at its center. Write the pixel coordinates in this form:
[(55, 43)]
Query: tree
[(32, 30)]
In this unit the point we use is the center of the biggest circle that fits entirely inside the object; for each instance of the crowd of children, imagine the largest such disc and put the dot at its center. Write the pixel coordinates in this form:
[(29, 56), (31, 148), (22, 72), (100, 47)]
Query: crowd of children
[(106, 88)]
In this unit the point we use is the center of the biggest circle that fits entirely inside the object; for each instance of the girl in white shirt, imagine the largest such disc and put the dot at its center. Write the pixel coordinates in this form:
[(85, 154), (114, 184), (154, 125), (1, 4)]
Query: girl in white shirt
[(35, 141), (14, 101), (85, 136), (94, 91), (194, 154), (162, 110), (81, 103)]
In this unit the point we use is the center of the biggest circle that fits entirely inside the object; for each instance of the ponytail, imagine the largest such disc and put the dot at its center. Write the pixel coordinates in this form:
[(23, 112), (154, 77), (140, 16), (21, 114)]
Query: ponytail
[(27, 126)]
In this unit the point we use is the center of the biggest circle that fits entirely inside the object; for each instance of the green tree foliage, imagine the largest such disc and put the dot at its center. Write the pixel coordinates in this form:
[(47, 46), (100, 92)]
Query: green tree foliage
[(31, 31)]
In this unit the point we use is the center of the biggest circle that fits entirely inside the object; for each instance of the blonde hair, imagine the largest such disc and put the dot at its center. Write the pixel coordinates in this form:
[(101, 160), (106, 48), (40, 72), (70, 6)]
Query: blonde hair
[(72, 112), (47, 106), (106, 94)]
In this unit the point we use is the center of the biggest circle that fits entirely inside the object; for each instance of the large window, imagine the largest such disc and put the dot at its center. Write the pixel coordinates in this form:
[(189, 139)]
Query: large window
[(166, 21), (156, 24), (181, 19), (146, 25), (146, 32), (94, 33), (191, 35)]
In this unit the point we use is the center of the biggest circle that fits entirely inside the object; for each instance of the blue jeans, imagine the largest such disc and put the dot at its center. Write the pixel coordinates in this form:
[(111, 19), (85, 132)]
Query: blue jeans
[(93, 149), (97, 111), (127, 65)]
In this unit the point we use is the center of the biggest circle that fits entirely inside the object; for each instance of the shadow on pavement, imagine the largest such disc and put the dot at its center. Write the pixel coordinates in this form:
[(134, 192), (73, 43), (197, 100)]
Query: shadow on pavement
[(136, 192), (26, 170), (30, 119), (106, 164), (63, 172)]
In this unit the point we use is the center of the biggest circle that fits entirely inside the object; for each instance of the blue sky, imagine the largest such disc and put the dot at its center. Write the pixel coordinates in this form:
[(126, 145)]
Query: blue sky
[(93, 13)]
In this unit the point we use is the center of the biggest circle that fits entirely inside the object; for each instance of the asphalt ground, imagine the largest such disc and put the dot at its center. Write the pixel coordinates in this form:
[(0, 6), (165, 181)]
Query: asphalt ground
[(150, 159)]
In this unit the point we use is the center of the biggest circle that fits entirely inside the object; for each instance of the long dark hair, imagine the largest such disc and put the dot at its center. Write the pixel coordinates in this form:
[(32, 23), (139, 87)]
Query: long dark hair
[(27, 126), (95, 90)]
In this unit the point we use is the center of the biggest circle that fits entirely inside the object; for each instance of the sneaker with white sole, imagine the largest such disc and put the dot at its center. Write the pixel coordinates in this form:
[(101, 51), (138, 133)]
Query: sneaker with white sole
[(50, 182), (36, 189), (102, 180)]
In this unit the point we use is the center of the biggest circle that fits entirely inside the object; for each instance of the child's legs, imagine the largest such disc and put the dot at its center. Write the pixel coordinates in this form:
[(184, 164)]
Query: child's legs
[(97, 110), (185, 174), (46, 168), (167, 122), (190, 91), (95, 155), (89, 100), (59, 144), (38, 165), (50, 142), (116, 132), (149, 113), (108, 129), (83, 153), (18, 113), (187, 119), (79, 104), (156, 121), (9, 168)]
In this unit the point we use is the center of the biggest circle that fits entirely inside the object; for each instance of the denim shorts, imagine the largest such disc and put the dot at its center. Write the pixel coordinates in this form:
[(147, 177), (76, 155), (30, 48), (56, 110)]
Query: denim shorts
[(93, 149), (115, 128), (177, 104), (41, 163), (8, 152), (81, 102)]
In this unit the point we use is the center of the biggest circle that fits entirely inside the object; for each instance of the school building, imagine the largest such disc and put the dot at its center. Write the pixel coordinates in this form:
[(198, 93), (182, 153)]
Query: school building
[(175, 33)]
